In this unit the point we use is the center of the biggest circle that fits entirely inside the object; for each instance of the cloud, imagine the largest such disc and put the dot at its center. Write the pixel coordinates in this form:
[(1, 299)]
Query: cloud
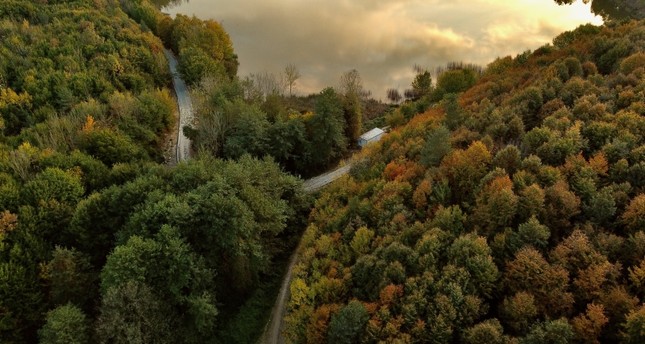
[(382, 39)]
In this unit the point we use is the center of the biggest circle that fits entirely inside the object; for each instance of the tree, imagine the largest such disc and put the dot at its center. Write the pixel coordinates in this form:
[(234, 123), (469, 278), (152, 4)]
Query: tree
[(291, 74), (530, 233), (474, 254), (465, 168), (601, 208), (195, 64), (454, 113), (530, 272), (347, 325), (519, 311), (634, 326), (436, 146), (637, 275), (132, 313), (394, 95), (351, 83), (71, 278), (247, 132), (422, 84), (361, 241), (351, 86), (588, 326), (327, 129), (549, 332), (561, 205), (455, 80), (109, 146), (54, 184), (489, 331), (613, 9), (509, 158), (496, 205), (174, 273), (65, 325), (634, 215)]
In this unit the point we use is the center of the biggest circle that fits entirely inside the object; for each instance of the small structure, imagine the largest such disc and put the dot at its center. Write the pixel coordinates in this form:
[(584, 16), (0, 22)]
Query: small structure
[(370, 136)]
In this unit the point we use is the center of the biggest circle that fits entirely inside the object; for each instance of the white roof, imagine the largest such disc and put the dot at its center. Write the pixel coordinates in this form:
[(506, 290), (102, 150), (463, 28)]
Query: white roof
[(372, 134)]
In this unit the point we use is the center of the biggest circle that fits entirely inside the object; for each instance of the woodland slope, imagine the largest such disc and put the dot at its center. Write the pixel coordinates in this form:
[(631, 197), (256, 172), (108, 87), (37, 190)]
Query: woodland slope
[(512, 213)]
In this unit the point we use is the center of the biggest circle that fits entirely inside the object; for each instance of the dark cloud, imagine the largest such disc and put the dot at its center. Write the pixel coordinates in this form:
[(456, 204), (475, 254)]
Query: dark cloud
[(382, 39)]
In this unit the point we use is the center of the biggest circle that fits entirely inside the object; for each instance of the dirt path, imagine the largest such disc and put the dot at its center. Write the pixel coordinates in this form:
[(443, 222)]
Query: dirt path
[(185, 108), (273, 330)]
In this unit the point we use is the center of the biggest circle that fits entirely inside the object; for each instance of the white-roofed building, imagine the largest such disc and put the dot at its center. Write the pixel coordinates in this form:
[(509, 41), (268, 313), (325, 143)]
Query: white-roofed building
[(370, 136)]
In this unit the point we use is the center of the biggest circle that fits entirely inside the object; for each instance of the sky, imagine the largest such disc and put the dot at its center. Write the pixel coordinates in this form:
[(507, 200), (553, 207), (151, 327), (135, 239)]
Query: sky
[(382, 39)]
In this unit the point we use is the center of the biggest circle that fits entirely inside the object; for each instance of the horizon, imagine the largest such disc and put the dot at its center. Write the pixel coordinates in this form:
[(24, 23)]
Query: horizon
[(325, 39)]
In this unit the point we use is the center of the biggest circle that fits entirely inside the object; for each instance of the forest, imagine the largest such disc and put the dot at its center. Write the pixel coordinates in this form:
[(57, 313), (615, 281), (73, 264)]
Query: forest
[(507, 205), (511, 212), (102, 241)]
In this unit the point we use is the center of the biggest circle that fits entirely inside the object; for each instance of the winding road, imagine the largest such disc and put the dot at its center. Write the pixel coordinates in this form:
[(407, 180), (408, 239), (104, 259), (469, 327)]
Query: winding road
[(185, 108), (273, 329)]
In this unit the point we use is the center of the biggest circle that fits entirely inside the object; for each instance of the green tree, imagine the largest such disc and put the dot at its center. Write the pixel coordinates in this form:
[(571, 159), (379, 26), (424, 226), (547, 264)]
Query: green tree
[(473, 254), (454, 113), (422, 84), (549, 332), (489, 331), (195, 64), (109, 146), (634, 326), (509, 158), (351, 86), (173, 272), (436, 146), (348, 324), (70, 277), (326, 129), (65, 325), (519, 311), (132, 313), (530, 233)]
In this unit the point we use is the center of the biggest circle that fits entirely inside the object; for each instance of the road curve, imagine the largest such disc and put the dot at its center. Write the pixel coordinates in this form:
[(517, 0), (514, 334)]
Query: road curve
[(185, 107), (273, 330)]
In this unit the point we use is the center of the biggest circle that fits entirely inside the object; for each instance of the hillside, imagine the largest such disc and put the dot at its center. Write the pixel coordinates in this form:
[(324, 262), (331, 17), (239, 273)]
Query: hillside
[(512, 213), (100, 242)]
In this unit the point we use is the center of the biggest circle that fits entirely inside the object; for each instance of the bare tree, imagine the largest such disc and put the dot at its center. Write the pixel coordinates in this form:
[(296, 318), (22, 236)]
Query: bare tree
[(394, 95), (351, 83), (261, 85), (291, 74)]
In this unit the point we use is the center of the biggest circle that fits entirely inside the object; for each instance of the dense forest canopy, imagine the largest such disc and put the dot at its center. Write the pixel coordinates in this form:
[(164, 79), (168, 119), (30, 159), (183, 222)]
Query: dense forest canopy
[(506, 206), (512, 212), (99, 241)]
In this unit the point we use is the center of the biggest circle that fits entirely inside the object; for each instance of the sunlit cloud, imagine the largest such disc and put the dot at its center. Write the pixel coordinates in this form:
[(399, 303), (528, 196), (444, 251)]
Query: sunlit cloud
[(382, 39)]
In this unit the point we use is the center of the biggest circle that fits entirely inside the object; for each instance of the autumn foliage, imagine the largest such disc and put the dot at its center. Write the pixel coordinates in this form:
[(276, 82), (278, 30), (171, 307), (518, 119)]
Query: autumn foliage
[(517, 217)]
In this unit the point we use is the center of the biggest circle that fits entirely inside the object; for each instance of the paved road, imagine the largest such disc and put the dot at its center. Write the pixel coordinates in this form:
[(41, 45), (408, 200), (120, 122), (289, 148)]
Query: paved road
[(315, 183), (185, 108)]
